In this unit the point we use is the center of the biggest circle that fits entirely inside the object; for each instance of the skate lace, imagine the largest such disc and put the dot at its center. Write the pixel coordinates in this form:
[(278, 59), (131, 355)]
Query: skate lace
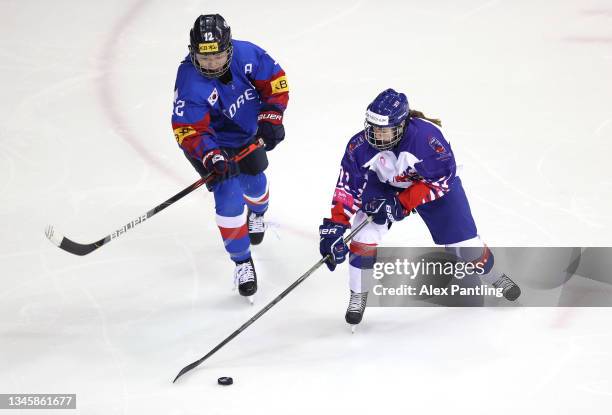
[(357, 302), (256, 223), (244, 273), (503, 282)]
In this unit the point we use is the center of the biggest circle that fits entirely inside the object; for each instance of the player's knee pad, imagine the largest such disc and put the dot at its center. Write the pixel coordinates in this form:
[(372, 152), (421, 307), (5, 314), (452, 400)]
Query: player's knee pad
[(485, 261), (371, 233), (362, 255), (254, 186), (228, 198), (476, 252)]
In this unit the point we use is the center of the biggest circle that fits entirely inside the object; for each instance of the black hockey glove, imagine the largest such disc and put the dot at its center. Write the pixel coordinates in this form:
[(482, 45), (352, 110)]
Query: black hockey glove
[(220, 166), (270, 127), (331, 243)]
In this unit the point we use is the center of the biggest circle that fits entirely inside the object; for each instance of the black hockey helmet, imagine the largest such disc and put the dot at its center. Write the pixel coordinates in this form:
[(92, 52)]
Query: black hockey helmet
[(210, 36)]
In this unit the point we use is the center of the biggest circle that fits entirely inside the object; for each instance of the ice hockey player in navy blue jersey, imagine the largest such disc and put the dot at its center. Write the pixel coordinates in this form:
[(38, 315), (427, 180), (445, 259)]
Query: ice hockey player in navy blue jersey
[(228, 94), (400, 163)]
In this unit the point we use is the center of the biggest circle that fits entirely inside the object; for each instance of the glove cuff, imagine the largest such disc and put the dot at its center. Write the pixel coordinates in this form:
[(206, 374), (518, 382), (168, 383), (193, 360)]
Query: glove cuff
[(207, 158), (338, 216), (272, 117), (214, 159), (330, 222)]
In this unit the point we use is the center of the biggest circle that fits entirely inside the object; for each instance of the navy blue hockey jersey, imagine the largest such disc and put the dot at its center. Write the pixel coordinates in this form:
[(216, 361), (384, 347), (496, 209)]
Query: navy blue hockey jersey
[(421, 167)]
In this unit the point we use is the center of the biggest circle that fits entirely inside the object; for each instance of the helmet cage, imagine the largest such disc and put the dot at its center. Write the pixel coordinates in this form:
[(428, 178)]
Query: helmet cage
[(211, 73), (383, 137)]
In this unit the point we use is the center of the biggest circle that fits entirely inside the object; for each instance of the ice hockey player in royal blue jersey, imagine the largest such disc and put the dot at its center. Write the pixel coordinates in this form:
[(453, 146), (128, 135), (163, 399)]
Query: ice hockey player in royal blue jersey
[(400, 163), (228, 95)]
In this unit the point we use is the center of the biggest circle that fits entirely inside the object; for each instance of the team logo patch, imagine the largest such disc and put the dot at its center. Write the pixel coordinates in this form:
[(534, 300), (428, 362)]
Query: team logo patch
[(352, 146), (183, 132), (213, 97), (279, 85), (436, 145), (208, 47)]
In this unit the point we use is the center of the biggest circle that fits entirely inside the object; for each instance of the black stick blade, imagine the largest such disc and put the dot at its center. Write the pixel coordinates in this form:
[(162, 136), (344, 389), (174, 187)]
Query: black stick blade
[(187, 369), (68, 245)]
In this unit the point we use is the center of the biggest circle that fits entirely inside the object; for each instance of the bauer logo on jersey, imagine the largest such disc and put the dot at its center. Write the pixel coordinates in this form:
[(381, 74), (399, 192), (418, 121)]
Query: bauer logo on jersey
[(377, 119), (208, 47), (436, 145), (183, 132), (279, 85), (213, 97)]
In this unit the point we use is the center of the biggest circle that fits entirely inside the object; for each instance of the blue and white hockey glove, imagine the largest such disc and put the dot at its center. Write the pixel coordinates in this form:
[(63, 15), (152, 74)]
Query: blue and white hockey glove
[(331, 243), (219, 165), (270, 127), (385, 209)]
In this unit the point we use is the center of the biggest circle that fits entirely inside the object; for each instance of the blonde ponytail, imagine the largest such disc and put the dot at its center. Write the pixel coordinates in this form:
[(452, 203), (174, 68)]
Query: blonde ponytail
[(419, 114)]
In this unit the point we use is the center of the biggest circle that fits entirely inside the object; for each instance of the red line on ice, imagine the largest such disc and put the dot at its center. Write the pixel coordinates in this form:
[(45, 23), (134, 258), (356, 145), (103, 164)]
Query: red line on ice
[(108, 98)]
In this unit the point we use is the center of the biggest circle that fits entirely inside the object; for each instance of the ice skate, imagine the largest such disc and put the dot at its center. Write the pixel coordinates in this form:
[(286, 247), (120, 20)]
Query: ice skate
[(245, 278), (356, 308), (257, 227), (510, 290)]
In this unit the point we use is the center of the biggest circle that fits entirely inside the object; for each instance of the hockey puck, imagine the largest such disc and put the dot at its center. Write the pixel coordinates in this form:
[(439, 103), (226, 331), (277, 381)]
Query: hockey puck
[(225, 381)]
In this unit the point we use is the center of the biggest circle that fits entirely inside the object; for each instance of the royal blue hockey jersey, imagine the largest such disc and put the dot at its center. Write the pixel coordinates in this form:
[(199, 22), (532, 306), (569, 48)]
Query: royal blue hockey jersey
[(421, 168), (209, 114)]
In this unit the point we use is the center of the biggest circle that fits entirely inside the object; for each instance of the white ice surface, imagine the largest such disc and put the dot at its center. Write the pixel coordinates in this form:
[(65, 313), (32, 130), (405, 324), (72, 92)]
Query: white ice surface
[(524, 90)]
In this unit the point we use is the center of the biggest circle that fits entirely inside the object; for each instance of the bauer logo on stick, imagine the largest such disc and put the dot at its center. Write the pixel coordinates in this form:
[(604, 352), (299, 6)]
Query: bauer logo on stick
[(129, 226)]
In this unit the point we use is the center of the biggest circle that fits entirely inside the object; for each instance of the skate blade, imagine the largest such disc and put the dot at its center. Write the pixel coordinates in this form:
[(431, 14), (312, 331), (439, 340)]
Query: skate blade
[(353, 328), (251, 299)]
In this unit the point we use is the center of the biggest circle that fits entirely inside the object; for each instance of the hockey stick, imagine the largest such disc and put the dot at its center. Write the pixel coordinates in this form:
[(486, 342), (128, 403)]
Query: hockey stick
[(76, 248), (272, 303)]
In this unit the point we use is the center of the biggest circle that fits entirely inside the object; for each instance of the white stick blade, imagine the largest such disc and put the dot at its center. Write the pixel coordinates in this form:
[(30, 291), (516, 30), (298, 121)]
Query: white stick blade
[(53, 235)]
